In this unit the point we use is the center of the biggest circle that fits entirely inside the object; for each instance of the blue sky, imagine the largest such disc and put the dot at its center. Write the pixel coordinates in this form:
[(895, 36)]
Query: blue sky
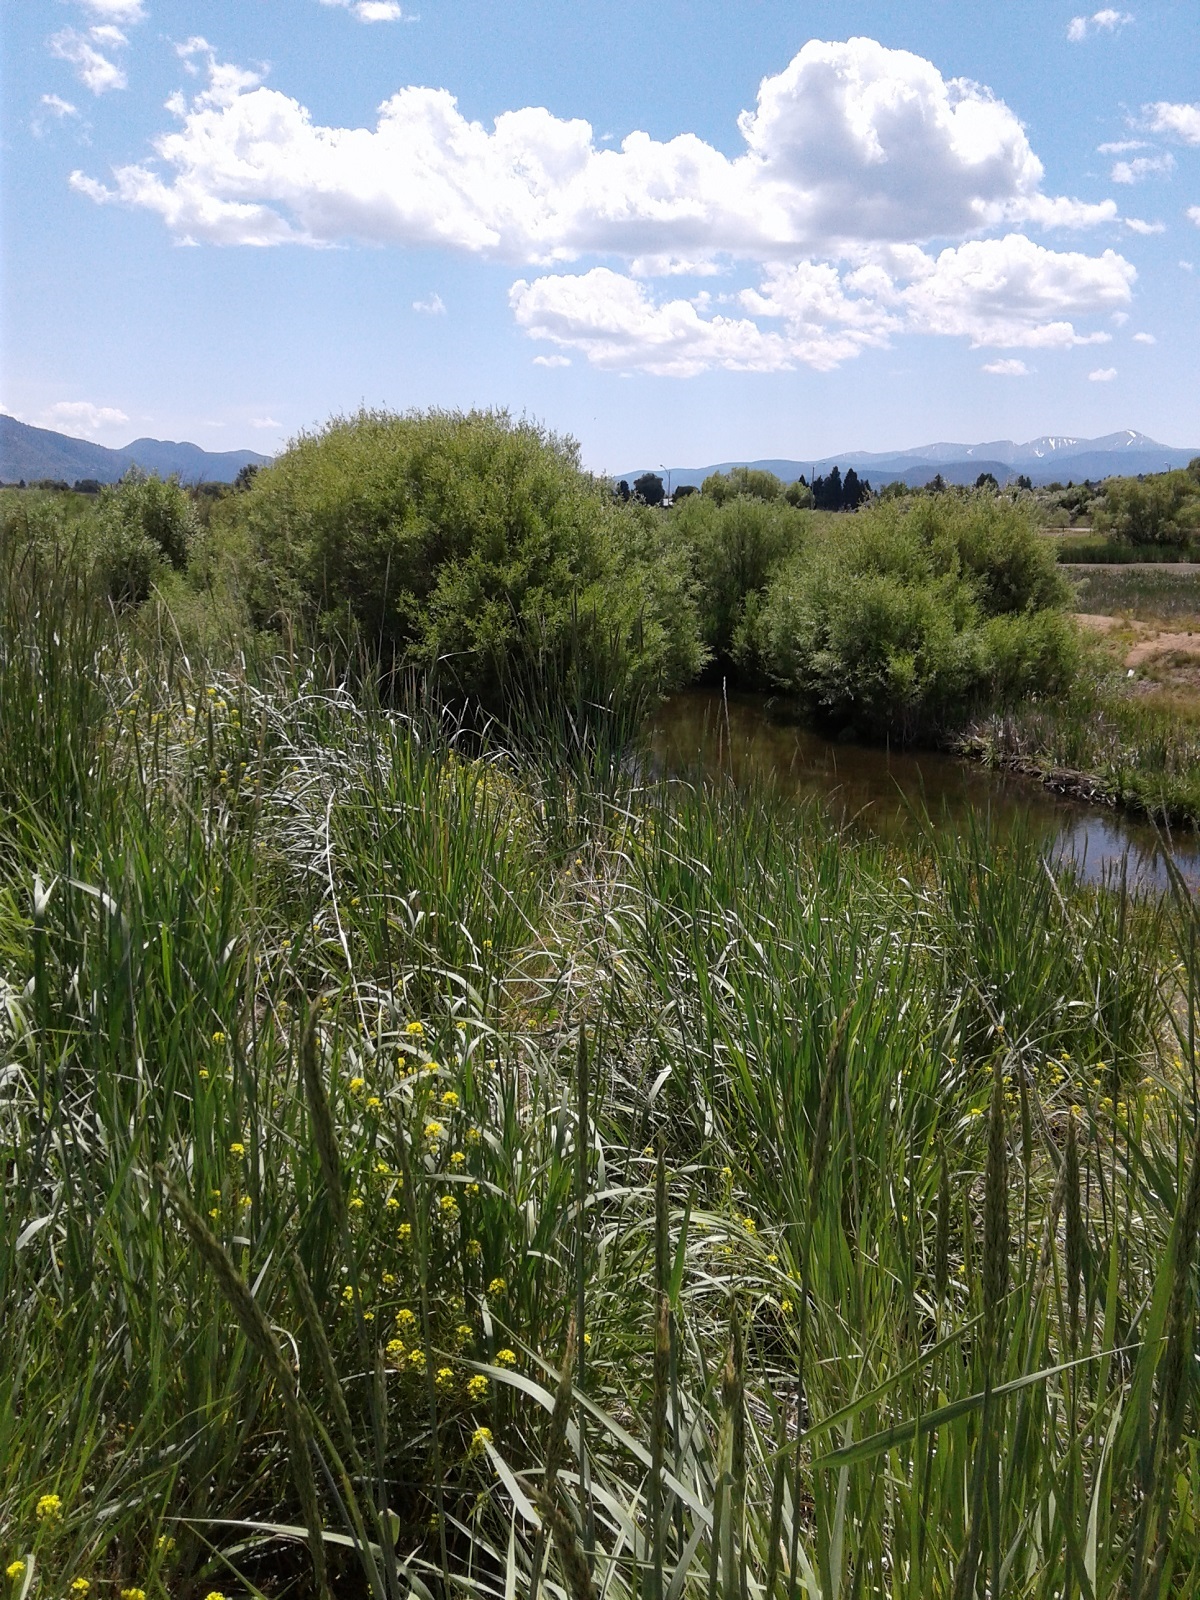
[(681, 232)]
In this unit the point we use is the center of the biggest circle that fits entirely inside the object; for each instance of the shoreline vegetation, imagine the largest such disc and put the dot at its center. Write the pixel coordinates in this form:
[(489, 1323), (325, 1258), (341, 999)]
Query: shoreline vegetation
[(439, 1161)]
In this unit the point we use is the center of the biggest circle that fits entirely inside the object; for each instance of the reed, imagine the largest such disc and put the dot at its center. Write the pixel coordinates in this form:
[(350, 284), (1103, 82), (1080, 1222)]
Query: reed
[(708, 1102)]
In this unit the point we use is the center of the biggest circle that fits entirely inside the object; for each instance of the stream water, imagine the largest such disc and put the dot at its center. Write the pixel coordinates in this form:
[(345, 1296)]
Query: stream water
[(751, 739)]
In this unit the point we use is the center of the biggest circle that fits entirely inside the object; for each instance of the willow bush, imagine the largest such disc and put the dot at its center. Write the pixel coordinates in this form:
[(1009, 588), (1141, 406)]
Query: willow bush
[(468, 546)]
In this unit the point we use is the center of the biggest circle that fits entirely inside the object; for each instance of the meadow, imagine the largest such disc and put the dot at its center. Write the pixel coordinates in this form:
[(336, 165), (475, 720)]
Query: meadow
[(438, 1161)]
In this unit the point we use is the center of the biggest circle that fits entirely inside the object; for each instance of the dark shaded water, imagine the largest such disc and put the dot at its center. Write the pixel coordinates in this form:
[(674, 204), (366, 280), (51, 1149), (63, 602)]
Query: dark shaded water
[(750, 739)]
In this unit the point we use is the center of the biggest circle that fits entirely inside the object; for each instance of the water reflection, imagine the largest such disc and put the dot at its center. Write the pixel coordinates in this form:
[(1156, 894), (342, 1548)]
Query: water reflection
[(748, 739)]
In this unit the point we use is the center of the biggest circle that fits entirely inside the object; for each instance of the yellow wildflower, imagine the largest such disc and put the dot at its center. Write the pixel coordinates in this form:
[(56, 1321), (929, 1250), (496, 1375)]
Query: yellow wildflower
[(395, 1348), (477, 1387), (448, 1206), (480, 1439), (15, 1570), (237, 1148), (404, 1232), (506, 1358), (357, 1202), (357, 1085), (434, 1131), (218, 1037), (415, 1030), (474, 1249), (457, 1159), (80, 1585), (416, 1360), (450, 1099), (444, 1379), (391, 1203), (49, 1508), (471, 1189), (406, 1319), (373, 1102)]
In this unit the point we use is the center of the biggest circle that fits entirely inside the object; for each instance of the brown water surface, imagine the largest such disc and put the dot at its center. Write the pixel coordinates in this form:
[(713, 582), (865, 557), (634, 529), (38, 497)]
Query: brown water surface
[(893, 793)]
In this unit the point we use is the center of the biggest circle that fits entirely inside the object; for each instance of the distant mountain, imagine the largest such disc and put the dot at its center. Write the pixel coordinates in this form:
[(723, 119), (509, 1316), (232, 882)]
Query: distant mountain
[(1050, 459), (33, 453)]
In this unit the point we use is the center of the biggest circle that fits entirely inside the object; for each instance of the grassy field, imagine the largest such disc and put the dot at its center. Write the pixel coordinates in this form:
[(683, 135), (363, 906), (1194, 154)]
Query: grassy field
[(1156, 595), (433, 1171)]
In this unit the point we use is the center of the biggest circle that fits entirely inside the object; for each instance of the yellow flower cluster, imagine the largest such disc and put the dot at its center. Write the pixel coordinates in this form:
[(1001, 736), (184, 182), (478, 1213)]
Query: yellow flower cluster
[(49, 1508), (477, 1387)]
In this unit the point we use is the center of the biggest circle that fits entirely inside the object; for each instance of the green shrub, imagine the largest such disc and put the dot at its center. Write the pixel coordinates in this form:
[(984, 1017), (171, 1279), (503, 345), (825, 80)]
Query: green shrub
[(755, 483), (904, 623), (735, 546), (1160, 510), (467, 546)]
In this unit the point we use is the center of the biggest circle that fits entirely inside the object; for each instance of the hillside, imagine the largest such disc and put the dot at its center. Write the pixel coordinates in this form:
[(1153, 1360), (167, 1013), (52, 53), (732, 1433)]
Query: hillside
[(28, 454)]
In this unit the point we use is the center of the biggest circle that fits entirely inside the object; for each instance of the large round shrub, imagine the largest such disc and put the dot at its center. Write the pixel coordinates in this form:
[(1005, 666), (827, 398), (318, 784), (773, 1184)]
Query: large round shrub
[(474, 548), (904, 623)]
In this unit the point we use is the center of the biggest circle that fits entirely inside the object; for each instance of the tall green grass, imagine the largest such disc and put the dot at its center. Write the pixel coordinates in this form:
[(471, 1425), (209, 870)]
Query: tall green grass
[(407, 1193)]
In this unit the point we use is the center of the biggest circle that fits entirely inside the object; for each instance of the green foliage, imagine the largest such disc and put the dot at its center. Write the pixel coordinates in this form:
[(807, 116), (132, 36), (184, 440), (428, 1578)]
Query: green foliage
[(1163, 509), (753, 482), (330, 1092), (466, 546), (735, 546), (904, 621)]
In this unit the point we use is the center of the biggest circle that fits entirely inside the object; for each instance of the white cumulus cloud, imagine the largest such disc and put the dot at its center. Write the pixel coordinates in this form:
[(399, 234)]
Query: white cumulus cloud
[(1005, 292), (1106, 21), (433, 307), (854, 160), (1142, 167), (1102, 375), (1144, 338), (1181, 121), (371, 10), (1007, 367), (93, 68), (616, 323), (127, 11), (1137, 225), (1013, 292), (58, 107), (552, 361), (82, 417), (852, 143), (1194, 215)]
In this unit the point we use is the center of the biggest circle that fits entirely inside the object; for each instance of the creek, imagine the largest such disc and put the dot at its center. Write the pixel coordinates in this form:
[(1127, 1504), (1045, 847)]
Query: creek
[(751, 739)]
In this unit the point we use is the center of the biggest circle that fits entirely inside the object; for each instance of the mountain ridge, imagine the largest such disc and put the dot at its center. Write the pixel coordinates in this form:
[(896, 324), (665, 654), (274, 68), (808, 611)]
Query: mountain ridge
[(1047, 459), (30, 454)]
